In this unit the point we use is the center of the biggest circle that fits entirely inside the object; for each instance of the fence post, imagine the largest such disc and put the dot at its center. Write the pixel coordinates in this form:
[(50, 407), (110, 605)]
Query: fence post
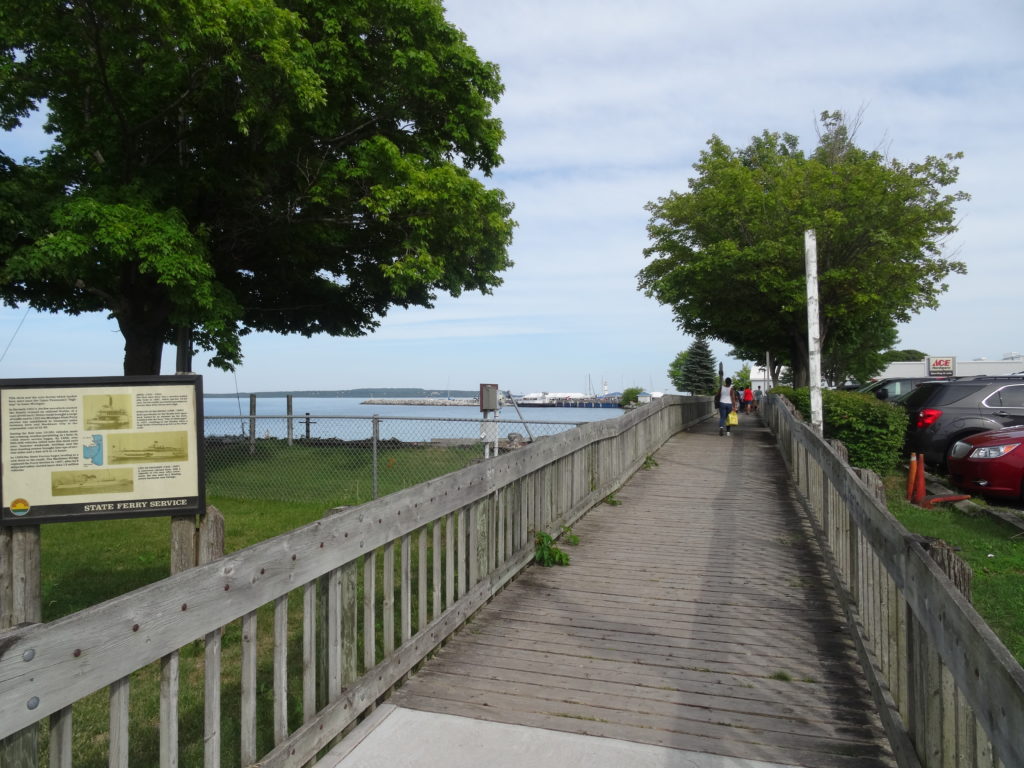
[(21, 604), (291, 422), (252, 424), (210, 536), (375, 440), (183, 543)]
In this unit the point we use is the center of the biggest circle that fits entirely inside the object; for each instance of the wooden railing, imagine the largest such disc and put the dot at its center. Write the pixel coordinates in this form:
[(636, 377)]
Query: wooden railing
[(948, 691), (364, 595)]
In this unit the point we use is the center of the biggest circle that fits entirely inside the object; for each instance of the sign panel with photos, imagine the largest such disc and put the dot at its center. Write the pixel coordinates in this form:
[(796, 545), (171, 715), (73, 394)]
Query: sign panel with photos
[(100, 448)]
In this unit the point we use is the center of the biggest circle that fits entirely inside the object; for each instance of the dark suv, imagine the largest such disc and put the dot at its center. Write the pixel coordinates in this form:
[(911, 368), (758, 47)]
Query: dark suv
[(886, 389), (943, 412)]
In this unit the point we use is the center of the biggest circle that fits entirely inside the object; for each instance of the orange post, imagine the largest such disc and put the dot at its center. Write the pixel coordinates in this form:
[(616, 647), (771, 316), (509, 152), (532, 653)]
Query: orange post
[(912, 477), (919, 490)]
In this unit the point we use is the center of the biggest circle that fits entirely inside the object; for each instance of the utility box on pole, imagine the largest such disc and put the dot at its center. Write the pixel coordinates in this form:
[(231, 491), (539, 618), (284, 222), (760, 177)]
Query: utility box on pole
[(489, 427), (488, 397)]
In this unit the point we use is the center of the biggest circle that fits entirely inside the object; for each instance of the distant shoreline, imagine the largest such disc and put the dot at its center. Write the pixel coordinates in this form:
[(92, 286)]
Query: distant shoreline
[(458, 401), (382, 393)]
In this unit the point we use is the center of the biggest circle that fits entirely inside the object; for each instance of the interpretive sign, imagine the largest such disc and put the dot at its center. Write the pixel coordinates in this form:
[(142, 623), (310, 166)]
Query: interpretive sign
[(100, 448)]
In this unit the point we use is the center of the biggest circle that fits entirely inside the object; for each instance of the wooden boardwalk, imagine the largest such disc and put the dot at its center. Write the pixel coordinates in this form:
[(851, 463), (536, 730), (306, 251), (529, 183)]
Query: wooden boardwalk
[(694, 615)]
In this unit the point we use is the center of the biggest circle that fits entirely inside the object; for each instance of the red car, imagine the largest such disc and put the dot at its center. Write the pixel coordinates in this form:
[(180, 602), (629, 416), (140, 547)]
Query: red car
[(989, 463)]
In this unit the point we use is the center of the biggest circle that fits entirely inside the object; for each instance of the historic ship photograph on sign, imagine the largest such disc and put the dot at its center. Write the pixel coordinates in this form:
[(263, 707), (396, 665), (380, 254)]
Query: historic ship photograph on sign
[(77, 482), (149, 447), (107, 411)]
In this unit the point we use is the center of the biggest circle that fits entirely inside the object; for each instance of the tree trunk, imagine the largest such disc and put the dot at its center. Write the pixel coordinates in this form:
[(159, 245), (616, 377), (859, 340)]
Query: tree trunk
[(142, 352), (143, 320), (183, 337), (800, 361), (144, 328)]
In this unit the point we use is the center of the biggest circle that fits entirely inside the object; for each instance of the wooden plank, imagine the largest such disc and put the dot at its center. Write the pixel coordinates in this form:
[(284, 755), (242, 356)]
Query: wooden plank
[(620, 690), (460, 553), (387, 606), (211, 707), (350, 622), (309, 654), (7, 618), (280, 669), (60, 741), (169, 683), (332, 619), (474, 520), (369, 610), (569, 721), (767, 729), (405, 589), (435, 562), (449, 561), (421, 579), (119, 721), (247, 725)]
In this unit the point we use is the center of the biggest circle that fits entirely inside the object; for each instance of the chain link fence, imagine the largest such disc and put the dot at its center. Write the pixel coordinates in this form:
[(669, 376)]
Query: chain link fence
[(347, 460)]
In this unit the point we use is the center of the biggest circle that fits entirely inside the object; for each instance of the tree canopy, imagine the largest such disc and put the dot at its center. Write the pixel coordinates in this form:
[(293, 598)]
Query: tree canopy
[(727, 256), (229, 166)]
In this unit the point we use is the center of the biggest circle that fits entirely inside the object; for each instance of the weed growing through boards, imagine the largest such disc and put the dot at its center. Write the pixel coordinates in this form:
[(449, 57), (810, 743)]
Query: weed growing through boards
[(546, 552)]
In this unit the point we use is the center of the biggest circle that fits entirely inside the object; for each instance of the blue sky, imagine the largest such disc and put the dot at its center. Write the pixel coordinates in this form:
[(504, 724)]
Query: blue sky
[(607, 106)]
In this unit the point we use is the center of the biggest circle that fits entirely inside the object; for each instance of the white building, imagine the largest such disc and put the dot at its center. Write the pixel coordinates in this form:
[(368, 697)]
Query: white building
[(950, 366), (931, 366)]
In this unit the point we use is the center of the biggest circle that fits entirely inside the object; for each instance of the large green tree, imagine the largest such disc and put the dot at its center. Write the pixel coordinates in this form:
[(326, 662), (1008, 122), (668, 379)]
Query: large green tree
[(226, 166), (728, 255), (693, 370)]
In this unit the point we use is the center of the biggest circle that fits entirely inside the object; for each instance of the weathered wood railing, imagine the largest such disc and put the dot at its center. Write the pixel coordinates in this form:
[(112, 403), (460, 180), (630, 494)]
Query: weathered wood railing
[(948, 691), (374, 589)]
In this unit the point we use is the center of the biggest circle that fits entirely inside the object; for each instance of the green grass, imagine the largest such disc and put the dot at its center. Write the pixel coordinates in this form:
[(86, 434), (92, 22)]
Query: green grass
[(332, 473), (993, 549)]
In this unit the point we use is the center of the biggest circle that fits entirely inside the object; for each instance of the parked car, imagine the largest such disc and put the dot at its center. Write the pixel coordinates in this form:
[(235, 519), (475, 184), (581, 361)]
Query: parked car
[(888, 389), (943, 412), (989, 463)]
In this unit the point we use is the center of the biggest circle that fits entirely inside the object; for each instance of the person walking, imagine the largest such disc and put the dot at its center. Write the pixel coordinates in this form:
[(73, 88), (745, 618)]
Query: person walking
[(748, 400), (728, 402)]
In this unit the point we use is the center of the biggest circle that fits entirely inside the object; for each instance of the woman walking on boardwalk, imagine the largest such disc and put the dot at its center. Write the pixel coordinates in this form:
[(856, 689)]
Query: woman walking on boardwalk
[(727, 402)]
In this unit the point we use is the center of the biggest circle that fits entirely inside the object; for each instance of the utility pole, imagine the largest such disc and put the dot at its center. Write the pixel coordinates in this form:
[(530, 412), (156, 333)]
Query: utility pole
[(813, 328)]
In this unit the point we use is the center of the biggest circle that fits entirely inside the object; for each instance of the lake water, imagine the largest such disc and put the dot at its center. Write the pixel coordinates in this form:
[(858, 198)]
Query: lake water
[(349, 419)]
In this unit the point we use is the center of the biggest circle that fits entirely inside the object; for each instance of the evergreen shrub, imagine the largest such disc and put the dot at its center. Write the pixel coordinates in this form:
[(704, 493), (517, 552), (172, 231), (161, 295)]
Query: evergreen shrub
[(871, 429)]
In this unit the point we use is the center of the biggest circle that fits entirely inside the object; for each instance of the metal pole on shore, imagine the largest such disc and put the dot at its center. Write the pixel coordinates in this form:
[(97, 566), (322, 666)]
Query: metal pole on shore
[(376, 438), (515, 405)]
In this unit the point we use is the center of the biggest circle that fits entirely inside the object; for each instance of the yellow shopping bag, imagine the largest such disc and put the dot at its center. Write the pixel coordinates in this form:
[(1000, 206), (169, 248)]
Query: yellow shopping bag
[(732, 419)]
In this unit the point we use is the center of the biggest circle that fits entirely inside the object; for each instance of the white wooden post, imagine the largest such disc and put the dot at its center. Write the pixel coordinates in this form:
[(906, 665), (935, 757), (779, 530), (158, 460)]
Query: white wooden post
[(813, 328)]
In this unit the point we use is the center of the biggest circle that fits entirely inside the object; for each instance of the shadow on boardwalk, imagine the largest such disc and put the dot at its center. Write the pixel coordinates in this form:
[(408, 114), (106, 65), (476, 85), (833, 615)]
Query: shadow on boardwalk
[(694, 616)]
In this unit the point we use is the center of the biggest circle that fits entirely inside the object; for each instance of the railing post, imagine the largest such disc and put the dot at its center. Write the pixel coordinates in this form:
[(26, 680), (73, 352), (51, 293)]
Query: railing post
[(20, 603), (375, 440)]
